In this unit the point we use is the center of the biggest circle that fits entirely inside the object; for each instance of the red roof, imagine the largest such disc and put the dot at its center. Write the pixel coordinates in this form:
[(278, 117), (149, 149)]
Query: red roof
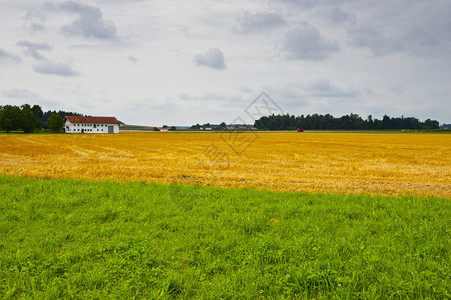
[(102, 120)]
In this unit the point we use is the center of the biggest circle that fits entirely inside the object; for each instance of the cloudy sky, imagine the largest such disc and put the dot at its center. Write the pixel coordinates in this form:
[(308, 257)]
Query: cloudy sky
[(181, 62)]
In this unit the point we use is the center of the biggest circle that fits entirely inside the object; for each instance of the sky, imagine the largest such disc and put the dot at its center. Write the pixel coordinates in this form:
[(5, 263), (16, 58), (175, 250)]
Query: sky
[(175, 62)]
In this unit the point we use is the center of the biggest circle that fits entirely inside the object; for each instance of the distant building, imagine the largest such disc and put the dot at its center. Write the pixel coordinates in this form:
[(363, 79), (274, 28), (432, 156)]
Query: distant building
[(78, 124)]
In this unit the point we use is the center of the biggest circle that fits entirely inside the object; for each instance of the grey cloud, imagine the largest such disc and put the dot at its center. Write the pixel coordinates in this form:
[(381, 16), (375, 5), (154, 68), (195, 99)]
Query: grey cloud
[(336, 15), (132, 59), (379, 43), (299, 3), (213, 58), (7, 56), (396, 89), (311, 4), (207, 96), (424, 29), (54, 68), (210, 99), (32, 49), (259, 21), (89, 24), (18, 94), (120, 1), (34, 21), (433, 30), (300, 91), (325, 89), (307, 43)]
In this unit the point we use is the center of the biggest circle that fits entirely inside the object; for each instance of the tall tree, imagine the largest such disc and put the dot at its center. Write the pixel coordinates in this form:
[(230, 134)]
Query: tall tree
[(37, 111), (29, 121), (55, 123), (10, 118)]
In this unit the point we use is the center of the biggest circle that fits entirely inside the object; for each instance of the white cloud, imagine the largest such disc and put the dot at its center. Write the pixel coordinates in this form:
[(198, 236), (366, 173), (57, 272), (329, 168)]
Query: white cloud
[(213, 58)]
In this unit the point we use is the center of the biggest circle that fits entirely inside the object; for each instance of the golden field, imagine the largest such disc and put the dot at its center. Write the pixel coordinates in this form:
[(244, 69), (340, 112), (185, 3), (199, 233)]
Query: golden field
[(376, 163)]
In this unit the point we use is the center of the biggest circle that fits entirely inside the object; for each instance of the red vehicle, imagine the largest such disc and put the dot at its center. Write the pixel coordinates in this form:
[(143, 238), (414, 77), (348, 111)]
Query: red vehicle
[(300, 129)]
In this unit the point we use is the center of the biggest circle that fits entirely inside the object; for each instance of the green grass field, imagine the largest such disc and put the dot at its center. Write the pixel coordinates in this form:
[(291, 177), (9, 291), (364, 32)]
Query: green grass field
[(87, 240)]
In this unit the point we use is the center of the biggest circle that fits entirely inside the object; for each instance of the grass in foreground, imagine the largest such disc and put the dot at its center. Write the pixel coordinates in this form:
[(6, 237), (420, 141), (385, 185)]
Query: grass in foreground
[(81, 239)]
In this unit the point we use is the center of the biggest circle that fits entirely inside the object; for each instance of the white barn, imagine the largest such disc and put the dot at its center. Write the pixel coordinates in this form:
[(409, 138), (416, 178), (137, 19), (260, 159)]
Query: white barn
[(78, 124)]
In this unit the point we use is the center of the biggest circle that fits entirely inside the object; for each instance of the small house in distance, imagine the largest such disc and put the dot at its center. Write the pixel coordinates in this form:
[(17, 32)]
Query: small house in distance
[(79, 124)]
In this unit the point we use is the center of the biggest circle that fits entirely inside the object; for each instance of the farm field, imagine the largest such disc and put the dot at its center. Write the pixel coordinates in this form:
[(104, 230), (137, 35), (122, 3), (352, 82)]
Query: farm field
[(350, 163), (250, 215), (65, 238)]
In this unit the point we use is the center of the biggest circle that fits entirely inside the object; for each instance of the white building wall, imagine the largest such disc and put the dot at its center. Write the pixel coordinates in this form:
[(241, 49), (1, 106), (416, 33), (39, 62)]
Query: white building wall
[(115, 127), (89, 128)]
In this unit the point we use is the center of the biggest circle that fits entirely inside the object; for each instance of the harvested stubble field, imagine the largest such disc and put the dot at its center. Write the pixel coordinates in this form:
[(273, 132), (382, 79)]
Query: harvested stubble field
[(350, 163)]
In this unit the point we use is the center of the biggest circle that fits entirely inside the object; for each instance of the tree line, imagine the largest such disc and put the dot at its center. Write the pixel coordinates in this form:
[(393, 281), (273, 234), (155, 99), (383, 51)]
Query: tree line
[(222, 126), (351, 121), (28, 118)]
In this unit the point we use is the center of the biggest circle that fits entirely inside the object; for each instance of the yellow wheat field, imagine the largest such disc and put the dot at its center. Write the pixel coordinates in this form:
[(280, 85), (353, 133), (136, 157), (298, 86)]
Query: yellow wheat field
[(395, 164)]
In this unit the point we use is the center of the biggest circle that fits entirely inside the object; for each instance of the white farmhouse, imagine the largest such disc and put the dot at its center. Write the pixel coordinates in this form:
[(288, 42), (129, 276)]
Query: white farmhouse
[(78, 124)]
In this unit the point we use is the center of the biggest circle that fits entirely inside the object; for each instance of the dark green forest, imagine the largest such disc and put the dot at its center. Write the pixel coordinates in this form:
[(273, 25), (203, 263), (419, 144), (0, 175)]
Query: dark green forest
[(29, 119), (347, 122)]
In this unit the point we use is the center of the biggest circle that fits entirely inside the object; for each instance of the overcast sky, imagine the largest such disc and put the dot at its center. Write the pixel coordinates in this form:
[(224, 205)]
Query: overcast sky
[(178, 62)]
